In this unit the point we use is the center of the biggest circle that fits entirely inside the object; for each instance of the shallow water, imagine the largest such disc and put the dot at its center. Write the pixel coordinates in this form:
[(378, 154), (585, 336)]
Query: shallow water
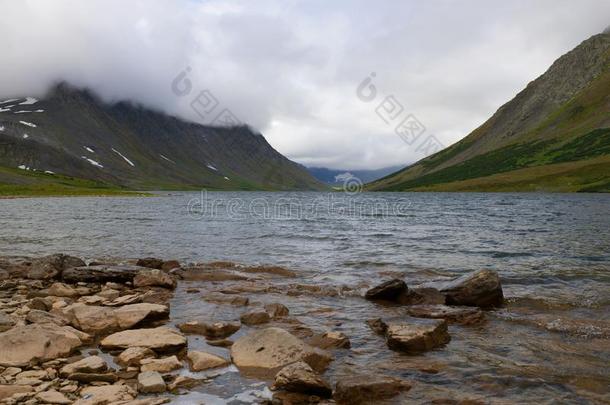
[(550, 344)]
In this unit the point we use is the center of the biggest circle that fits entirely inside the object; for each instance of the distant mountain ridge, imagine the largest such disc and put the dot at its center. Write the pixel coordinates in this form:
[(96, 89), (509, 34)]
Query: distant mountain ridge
[(333, 176), (71, 132), (552, 136)]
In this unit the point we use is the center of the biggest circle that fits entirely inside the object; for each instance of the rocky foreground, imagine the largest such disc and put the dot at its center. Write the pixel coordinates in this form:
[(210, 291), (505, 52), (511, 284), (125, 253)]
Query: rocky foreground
[(97, 333)]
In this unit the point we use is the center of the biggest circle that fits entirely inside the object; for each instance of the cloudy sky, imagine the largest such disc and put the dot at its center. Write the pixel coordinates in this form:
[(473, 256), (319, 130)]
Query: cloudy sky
[(291, 68)]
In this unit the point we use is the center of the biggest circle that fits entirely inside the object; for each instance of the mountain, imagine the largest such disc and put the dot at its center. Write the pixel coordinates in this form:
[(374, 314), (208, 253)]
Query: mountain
[(72, 133), (553, 136), (334, 176)]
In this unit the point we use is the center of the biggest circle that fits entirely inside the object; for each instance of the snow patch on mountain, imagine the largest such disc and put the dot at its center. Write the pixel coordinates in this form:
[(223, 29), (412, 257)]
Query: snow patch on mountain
[(166, 158), (121, 155), (29, 124), (212, 167), (89, 149), (93, 162), (29, 101)]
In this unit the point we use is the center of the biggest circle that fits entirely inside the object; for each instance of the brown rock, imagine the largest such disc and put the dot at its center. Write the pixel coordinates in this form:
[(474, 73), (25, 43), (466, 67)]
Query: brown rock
[(91, 364), (62, 290), (6, 322), (52, 397), (101, 274), (129, 316), (377, 325), (40, 303), (368, 389), (269, 350), (92, 319), (200, 361), (150, 382), (300, 377), (277, 310), (150, 262), (148, 278), (170, 265), (7, 391), (330, 340), (255, 318), (88, 378), (387, 291), (417, 335), (107, 394), (52, 266), (164, 365), (481, 289), (36, 316), (160, 339), (133, 356), (217, 330), (23, 345)]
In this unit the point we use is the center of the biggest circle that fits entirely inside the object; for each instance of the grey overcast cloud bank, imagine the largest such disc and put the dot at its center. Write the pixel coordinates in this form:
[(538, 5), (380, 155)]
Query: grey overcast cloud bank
[(290, 68)]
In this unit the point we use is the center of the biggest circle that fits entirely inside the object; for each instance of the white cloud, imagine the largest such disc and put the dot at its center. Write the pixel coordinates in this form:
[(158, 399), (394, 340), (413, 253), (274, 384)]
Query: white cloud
[(290, 68)]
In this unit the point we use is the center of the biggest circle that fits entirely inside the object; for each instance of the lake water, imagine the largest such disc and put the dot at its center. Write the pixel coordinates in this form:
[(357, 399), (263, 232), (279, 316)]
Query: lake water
[(550, 344)]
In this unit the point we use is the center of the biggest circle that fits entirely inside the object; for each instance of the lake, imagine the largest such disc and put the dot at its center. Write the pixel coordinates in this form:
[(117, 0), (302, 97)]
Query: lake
[(552, 251)]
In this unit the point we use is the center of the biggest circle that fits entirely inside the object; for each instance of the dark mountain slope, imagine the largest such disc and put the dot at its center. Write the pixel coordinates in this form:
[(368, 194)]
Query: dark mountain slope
[(561, 117), (77, 135)]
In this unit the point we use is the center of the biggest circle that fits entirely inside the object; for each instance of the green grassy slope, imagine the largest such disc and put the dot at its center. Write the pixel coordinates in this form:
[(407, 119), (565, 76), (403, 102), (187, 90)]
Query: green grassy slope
[(17, 182), (502, 155)]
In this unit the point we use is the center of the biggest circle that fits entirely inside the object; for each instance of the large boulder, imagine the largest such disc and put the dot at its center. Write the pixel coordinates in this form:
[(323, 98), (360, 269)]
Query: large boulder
[(417, 335), (62, 290), (422, 296), (480, 289), (129, 316), (52, 266), (368, 389), (37, 316), (7, 391), (159, 339), (101, 274), (269, 350), (388, 291), (99, 320), (200, 361), (300, 377), (35, 343)]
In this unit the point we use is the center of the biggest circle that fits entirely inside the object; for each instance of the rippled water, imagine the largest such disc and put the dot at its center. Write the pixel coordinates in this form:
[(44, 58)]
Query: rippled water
[(550, 344)]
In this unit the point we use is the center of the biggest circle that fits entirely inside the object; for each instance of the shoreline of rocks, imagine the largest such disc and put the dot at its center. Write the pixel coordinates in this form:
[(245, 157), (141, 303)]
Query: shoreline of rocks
[(115, 315)]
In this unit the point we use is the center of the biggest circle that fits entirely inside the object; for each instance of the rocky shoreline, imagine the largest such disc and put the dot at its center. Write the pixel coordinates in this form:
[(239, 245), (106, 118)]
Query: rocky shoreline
[(99, 332)]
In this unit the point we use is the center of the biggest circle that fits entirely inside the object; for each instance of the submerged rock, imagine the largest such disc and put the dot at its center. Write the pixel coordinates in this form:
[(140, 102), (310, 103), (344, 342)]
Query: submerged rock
[(461, 315), (387, 291), (330, 340), (422, 296), (367, 389), (160, 339), (481, 289), (417, 335), (300, 377), (268, 350)]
